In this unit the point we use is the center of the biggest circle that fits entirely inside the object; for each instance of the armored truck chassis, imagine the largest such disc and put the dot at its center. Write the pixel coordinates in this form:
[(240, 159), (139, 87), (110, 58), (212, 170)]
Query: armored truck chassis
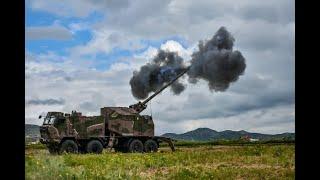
[(118, 128)]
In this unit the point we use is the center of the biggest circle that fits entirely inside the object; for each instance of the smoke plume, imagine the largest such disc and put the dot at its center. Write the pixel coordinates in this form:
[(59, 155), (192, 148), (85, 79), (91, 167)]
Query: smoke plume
[(162, 69), (215, 62)]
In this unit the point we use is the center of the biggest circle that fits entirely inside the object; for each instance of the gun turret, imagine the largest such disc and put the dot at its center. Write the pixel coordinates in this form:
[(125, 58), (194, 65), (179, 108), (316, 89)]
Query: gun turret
[(140, 106)]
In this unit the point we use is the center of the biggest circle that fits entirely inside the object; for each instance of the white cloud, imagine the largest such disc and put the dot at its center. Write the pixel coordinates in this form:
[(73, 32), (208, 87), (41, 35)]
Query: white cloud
[(76, 8), (69, 8), (271, 120), (125, 26), (147, 54), (75, 27), (104, 42), (55, 31), (175, 46), (127, 23)]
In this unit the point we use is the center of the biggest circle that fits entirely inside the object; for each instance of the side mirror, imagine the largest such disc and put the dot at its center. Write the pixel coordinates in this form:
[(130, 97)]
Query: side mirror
[(40, 117)]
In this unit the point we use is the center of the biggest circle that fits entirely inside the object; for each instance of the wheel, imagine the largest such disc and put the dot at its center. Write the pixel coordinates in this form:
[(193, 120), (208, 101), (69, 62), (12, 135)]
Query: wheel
[(69, 146), (150, 146), (136, 146), (94, 146)]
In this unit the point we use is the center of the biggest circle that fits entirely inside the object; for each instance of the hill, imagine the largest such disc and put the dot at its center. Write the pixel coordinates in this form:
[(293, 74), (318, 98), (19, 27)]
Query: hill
[(207, 134), (32, 130)]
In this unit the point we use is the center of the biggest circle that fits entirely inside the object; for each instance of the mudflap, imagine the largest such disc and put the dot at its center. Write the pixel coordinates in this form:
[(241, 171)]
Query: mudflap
[(167, 140)]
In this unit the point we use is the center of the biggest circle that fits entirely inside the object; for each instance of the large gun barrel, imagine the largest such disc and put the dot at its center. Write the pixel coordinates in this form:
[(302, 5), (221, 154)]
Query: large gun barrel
[(140, 106)]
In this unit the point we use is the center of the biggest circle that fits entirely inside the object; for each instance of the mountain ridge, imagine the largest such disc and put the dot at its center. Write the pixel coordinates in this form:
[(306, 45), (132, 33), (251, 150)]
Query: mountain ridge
[(207, 134)]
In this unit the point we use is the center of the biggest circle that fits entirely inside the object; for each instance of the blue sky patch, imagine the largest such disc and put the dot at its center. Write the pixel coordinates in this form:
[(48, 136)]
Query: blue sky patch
[(101, 61)]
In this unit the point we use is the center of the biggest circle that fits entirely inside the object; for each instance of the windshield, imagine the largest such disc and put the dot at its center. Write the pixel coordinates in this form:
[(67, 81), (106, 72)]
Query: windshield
[(49, 120)]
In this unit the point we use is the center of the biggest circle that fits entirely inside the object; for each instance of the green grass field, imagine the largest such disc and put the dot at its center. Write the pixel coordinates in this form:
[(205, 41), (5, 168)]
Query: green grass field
[(258, 161)]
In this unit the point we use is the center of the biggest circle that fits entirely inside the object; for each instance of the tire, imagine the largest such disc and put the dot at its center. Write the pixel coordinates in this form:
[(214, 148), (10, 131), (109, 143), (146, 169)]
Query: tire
[(136, 146), (68, 146), (150, 146), (94, 146)]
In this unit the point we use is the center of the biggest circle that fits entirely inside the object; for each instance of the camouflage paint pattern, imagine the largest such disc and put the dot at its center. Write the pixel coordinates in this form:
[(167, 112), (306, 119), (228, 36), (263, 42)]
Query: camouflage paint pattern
[(88, 126), (96, 130), (120, 121), (126, 122), (143, 126), (53, 133)]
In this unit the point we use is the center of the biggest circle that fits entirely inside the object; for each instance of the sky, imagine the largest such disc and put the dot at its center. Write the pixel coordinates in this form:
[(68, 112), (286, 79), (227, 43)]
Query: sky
[(80, 55)]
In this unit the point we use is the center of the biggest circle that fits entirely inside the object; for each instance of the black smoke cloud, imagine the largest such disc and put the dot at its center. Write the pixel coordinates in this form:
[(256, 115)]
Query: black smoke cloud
[(162, 69), (215, 62)]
